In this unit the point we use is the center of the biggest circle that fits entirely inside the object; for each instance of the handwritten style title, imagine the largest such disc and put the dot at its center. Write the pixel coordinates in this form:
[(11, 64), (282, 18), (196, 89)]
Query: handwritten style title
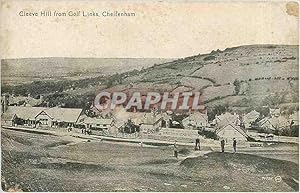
[(71, 13)]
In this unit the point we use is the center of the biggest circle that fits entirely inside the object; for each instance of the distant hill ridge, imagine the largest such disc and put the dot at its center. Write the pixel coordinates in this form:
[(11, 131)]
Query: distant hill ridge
[(25, 70), (241, 77)]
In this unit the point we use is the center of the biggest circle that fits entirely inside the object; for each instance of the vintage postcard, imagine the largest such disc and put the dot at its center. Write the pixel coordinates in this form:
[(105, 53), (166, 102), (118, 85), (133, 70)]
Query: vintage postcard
[(149, 96)]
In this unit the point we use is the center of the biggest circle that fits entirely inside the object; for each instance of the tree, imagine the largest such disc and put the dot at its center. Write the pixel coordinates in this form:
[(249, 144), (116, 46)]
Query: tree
[(217, 110), (208, 134), (237, 87)]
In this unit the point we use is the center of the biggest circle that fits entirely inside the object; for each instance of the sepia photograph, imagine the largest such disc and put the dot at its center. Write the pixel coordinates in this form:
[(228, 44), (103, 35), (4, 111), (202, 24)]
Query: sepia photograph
[(149, 96)]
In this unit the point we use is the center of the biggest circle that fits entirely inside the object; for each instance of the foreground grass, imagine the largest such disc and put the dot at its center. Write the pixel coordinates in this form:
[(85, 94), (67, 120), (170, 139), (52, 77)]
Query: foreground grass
[(34, 162)]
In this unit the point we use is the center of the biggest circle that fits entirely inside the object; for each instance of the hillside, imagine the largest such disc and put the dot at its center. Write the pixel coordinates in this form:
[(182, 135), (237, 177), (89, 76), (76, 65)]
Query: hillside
[(242, 78), (26, 70), (265, 75)]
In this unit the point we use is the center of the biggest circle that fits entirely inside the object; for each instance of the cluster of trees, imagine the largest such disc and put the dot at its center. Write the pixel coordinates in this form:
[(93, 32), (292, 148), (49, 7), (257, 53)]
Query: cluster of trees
[(208, 134), (210, 57), (69, 101), (217, 110), (292, 131), (37, 88), (237, 86)]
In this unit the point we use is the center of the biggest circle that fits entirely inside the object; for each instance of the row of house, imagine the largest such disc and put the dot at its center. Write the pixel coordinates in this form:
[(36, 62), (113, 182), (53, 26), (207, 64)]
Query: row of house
[(280, 122), (12, 100), (226, 126), (71, 117), (41, 116)]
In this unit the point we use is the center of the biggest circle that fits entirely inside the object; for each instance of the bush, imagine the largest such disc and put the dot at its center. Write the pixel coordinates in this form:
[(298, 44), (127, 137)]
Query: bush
[(208, 134), (210, 57)]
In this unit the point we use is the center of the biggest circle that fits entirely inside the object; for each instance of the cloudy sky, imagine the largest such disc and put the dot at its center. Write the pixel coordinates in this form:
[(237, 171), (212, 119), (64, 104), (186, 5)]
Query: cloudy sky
[(160, 28)]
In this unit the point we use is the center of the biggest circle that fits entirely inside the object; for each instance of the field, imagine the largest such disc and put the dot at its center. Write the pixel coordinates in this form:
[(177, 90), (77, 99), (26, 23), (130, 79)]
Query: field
[(35, 162), (19, 71)]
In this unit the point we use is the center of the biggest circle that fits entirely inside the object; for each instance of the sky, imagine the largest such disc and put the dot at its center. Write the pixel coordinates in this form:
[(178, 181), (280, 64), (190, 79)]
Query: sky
[(159, 29)]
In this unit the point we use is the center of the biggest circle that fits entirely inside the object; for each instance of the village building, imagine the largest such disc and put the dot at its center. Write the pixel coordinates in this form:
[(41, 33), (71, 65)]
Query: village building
[(8, 119), (98, 123), (41, 116), (274, 112), (274, 123), (20, 115), (230, 131), (166, 119), (151, 123), (57, 116), (195, 120), (250, 118), (97, 126), (225, 119), (294, 119), (12, 100)]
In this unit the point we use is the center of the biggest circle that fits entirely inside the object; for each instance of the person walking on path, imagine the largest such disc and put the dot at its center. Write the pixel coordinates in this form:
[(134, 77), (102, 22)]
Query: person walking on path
[(175, 149), (222, 145), (234, 145), (197, 145)]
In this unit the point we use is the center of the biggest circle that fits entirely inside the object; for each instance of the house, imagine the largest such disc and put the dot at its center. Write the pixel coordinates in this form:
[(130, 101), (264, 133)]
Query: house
[(266, 124), (230, 131), (121, 114), (273, 123), (274, 112), (98, 126), (151, 123), (9, 119), (250, 118), (225, 119), (195, 120), (20, 115), (42, 116), (166, 119), (12, 100), (57, 116), (98, 123), (294, 119)]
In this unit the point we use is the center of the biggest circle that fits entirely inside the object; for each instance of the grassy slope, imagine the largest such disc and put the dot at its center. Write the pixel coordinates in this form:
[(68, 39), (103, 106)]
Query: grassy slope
[(37, 163), (215, 77), (20, 71)]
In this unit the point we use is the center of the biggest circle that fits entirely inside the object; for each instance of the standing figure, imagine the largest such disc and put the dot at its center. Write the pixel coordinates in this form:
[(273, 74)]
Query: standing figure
[(175, 149), (234, 145), (223, 145), (197, 145)]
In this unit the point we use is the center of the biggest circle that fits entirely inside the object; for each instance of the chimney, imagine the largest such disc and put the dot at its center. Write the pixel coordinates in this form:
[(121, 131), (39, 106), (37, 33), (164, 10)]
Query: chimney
[(41, 98), (5, 102)]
